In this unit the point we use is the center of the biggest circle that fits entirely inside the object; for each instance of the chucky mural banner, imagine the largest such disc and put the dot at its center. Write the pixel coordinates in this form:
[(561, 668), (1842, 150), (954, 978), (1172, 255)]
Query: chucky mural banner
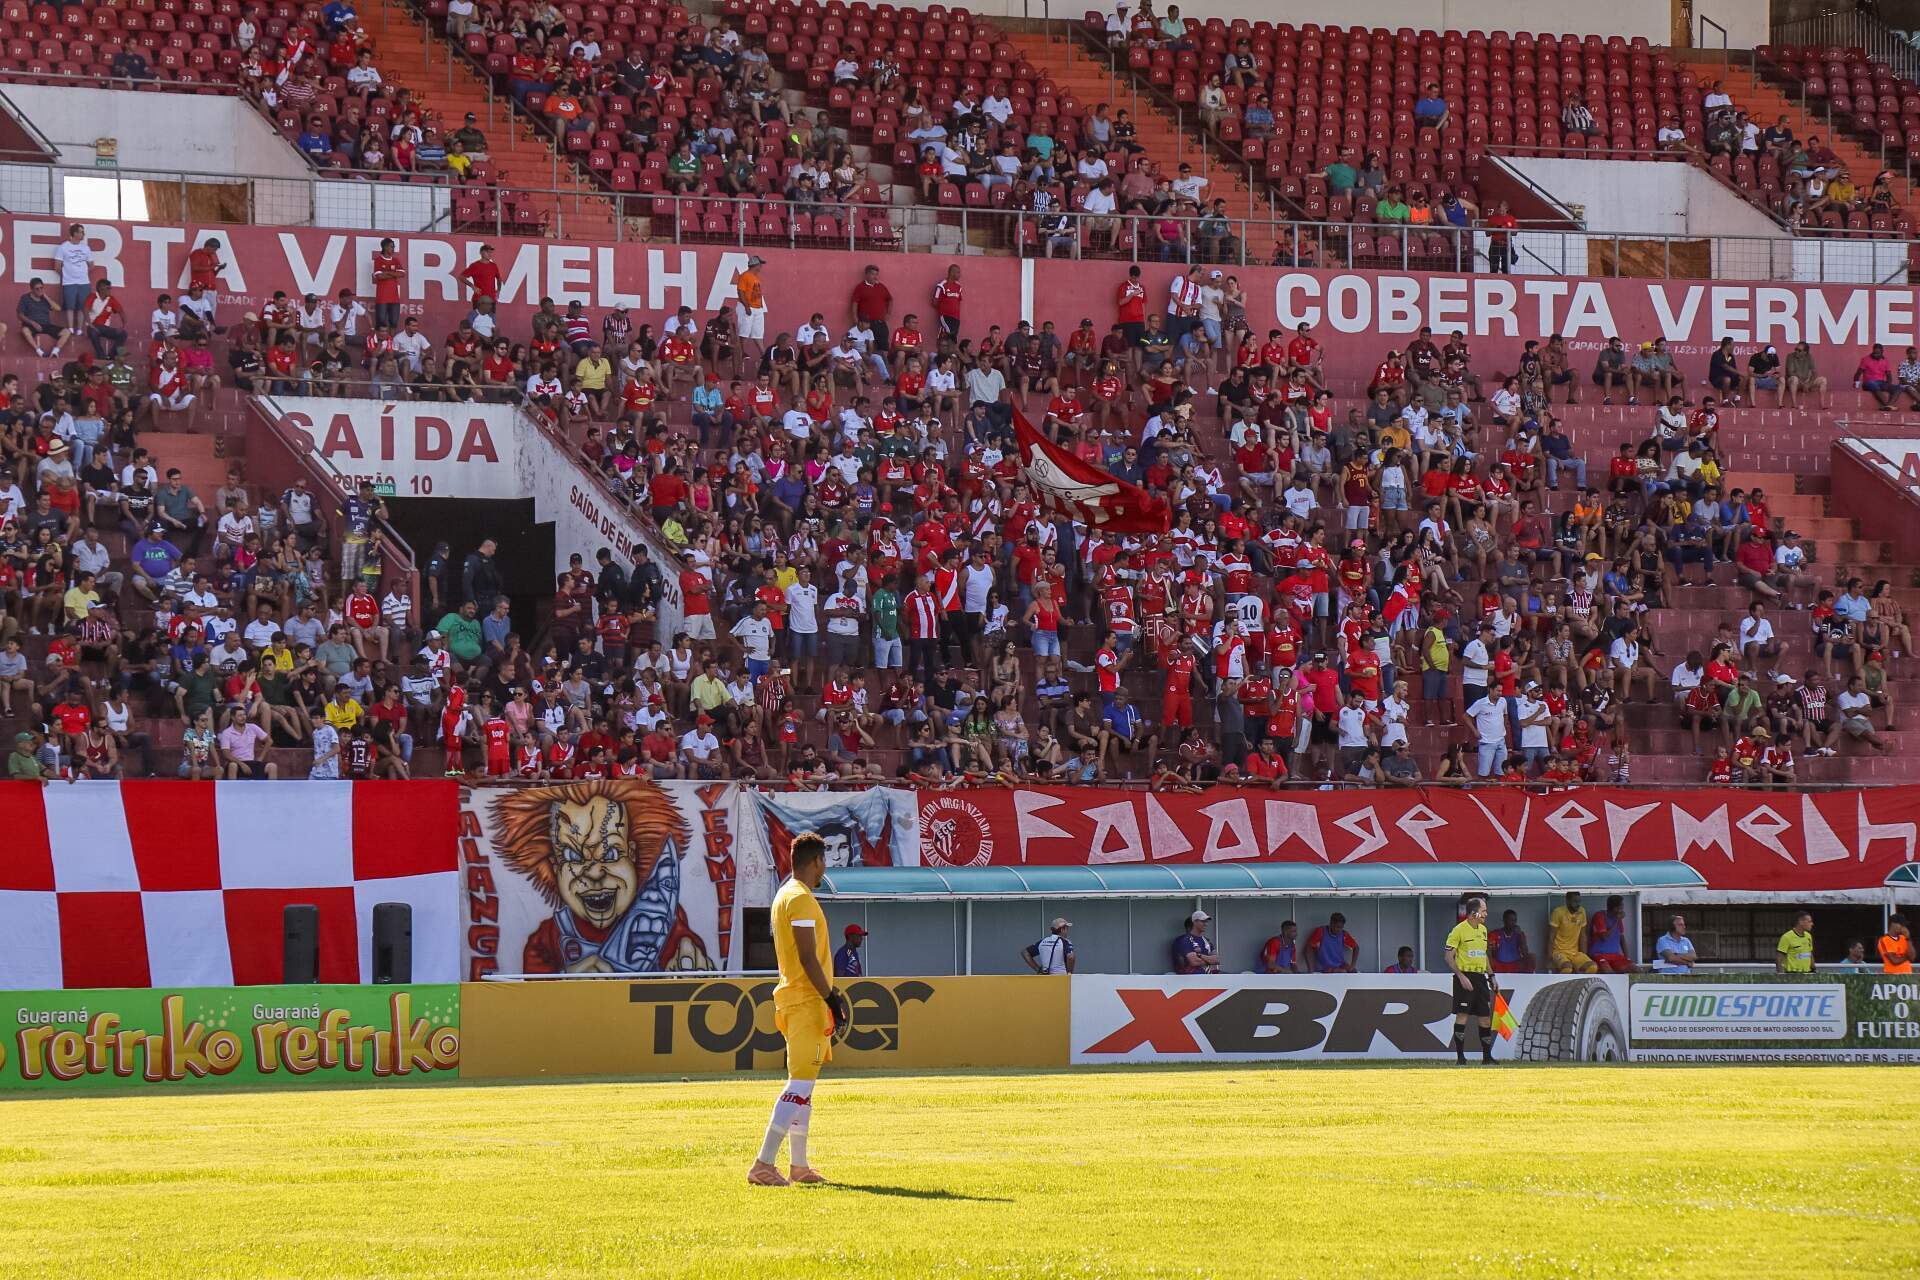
[(628, 875), (621, 875)]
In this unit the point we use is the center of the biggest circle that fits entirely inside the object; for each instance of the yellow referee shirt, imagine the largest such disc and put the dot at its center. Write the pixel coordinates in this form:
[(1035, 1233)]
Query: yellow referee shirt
[(1797, 947), (795, 902), (1468, 942)]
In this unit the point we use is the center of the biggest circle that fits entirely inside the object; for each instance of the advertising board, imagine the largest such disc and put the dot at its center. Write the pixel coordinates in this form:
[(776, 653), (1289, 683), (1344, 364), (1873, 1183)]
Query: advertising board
[(709, 1025), (205, 1036), (1254, 1017), (1822, 1017)]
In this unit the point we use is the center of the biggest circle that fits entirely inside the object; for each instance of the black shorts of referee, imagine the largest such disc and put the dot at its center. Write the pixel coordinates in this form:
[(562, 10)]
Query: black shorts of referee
[(1476, 999)]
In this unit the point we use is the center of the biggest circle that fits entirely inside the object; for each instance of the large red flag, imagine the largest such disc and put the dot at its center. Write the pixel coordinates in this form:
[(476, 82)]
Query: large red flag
[(1066, 486)]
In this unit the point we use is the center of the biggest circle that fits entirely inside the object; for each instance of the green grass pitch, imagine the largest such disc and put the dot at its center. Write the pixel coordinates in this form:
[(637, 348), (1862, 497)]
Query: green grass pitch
[(1228, 1171)]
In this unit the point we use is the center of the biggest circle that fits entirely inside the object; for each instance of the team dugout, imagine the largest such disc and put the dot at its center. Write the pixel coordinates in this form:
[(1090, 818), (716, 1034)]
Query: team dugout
[(932, 922)]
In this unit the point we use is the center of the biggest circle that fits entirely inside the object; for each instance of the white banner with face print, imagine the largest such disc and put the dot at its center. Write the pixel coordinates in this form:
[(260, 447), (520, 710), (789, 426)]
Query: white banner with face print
[(624, 875)]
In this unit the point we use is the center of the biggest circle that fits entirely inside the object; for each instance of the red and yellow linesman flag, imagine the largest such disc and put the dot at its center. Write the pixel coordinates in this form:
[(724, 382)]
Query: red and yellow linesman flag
[(1503, 1020)]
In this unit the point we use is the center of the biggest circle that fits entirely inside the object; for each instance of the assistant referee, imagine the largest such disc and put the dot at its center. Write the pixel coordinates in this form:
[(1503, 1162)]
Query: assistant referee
[(1473, 985)]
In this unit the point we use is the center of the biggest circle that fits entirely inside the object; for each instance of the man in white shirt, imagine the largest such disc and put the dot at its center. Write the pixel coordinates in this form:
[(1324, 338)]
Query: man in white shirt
[(845, 608), (699, 749), (75, 257), (1474, 661), (261, 631), (347, 315), (1489, 716), (1757, 642), (90, 555), (412, 346), (1189, 185), (363, 76), (1353, 733), (13, 503), (755, 633), (200, 304), (165, 320), (1686, 676), (1533, 717), (1624, 657), (803, 626), (1299, 498), (1099, 205)]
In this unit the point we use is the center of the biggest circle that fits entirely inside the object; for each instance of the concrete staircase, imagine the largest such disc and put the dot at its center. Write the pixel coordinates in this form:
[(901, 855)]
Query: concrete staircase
[(1764, 102), (1080, 75), (412, 55)]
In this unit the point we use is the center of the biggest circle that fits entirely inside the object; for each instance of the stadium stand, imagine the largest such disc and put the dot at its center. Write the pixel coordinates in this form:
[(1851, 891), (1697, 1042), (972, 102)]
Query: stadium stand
[(732, 452)]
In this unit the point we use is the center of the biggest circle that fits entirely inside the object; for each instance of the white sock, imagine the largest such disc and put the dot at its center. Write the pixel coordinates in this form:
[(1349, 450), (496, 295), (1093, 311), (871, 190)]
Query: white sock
[(793, 1098), (802, 1113)]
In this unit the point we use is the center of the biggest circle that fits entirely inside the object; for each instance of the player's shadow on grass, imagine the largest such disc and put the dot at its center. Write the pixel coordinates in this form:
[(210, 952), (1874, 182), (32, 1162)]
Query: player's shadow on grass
[(915, 1193)]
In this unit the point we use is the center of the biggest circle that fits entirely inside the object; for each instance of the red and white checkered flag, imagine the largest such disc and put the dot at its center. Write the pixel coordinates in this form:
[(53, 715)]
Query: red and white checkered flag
[(177, 884)]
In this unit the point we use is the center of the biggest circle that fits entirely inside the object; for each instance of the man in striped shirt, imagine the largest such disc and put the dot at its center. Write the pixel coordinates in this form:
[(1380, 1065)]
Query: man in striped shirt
[(920, 620)]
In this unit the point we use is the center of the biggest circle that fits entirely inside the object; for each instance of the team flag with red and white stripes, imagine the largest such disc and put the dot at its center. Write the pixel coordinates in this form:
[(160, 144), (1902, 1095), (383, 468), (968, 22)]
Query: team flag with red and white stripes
[(1066, 485), (182, 884)]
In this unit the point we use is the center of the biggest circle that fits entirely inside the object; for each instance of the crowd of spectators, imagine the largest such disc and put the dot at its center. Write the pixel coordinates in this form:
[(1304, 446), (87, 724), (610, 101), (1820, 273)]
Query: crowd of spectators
[(1811, 174), (870, 588)]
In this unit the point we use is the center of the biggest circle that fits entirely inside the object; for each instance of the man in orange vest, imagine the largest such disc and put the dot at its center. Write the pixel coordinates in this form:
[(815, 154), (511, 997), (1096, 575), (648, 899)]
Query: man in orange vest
[(1896, 946)]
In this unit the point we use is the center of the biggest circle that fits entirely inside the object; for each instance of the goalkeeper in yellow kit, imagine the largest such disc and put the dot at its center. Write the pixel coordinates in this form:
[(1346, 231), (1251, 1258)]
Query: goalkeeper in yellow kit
[(806, 1008)]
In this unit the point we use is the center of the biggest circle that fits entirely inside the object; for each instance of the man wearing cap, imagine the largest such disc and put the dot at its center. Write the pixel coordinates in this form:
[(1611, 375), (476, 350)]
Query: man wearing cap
[(482, 275), (700, 750), (24, 764), (1193, 950), (751, 315), (1053, 954), (846, 961)]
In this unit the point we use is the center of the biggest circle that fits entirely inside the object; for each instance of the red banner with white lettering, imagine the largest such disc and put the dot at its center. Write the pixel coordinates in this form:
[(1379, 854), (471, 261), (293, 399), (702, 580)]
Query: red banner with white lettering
[(1737, 840)]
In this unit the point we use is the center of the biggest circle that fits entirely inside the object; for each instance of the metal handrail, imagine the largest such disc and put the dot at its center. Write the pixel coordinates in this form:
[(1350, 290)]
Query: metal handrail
[(1853, 29), (654, 218), (397, 553)]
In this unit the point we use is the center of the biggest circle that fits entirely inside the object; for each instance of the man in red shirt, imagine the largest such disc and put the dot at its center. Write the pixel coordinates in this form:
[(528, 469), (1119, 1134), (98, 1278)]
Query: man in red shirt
[(483, 276), (696, 609), (1176, 706), (872, 300), (1500, 228), (1304, 351), (905, 344), (203, 265), (74, 718), (1132, 304), (388, 275), (946, 302), (1268, 764), (498, 734)]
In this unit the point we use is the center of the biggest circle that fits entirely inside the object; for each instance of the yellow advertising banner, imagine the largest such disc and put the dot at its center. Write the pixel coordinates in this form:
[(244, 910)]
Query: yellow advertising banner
[(513, 1030)]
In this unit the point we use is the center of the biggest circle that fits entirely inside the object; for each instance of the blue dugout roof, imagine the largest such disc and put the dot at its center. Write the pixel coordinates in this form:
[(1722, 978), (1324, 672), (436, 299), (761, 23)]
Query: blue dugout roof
[(1257, 878)]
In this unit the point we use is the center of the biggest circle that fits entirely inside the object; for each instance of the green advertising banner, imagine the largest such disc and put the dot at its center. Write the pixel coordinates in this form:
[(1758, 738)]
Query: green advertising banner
[(228, 1035), (1766, 1017)]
